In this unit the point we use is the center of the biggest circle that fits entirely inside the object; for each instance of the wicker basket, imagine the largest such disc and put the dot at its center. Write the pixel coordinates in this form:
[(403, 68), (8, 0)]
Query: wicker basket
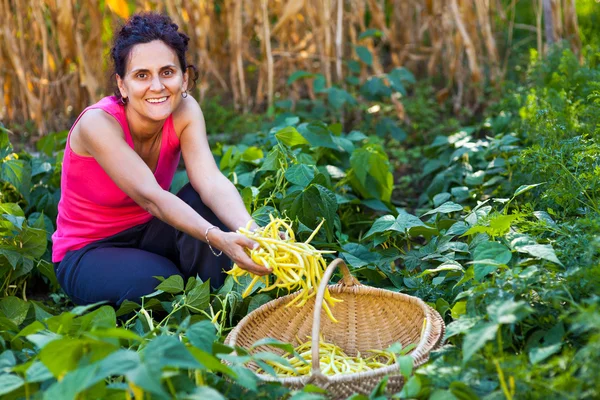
[(369, 318)]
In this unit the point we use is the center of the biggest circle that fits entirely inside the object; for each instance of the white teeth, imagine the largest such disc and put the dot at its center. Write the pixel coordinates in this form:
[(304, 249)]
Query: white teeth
[(156, 100)]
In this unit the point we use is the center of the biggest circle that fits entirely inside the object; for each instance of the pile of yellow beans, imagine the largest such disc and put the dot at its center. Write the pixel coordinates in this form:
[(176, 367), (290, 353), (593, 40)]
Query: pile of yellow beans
[(333, 361)]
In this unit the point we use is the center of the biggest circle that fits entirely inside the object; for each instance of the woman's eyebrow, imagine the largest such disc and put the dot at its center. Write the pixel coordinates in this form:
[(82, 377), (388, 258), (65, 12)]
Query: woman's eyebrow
[(147, 70)]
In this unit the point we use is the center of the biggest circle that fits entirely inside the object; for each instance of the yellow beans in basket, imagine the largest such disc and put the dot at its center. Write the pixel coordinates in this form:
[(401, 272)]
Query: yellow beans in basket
[(332, 359)]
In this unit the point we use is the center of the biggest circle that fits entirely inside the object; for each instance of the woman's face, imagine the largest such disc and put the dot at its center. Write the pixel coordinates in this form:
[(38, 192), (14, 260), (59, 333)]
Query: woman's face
[(153, 81)]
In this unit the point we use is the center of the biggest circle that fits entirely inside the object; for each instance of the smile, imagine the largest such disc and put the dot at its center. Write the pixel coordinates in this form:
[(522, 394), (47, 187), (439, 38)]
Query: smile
[(159, 100)]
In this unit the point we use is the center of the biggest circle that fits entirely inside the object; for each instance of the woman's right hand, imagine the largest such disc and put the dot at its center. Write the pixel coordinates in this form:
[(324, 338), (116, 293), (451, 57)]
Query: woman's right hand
[(234, 245)]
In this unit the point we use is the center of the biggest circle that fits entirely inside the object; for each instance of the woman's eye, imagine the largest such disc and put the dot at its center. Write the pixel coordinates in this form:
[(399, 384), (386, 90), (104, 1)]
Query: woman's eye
[(141, 76), (168, 73)]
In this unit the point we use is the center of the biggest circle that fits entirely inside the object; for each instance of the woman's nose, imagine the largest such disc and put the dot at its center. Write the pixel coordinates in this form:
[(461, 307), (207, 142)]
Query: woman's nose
[(156, 84)]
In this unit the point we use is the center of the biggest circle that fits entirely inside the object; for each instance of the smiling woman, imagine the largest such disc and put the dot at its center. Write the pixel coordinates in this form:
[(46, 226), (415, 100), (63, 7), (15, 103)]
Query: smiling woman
[(118, 226)]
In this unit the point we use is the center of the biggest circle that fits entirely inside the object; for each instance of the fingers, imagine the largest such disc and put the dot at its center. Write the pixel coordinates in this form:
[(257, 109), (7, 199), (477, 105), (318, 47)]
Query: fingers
[(248, 243), (245, 262)]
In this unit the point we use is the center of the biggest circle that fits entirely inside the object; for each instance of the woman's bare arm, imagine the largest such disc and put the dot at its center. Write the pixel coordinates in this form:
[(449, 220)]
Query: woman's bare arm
[(102, 137)]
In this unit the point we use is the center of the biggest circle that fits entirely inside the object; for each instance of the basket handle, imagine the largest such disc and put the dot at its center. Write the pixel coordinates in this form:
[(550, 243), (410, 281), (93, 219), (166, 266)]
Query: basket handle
[(348, 281)]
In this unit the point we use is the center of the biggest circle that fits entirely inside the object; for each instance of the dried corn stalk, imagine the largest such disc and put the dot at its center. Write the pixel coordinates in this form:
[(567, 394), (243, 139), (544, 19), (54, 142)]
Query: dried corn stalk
[(53, 52)]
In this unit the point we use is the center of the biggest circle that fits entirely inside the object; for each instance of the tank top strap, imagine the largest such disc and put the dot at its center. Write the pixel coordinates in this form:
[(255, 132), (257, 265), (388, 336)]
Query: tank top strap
[(170, 134)]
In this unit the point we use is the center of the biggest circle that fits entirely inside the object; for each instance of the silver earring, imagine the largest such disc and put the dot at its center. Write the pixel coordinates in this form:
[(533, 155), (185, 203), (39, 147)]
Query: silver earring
[(124, 100), (184, 95)]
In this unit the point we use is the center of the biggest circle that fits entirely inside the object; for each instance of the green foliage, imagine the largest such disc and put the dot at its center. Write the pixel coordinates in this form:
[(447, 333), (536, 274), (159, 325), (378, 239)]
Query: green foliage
[(28, 201)]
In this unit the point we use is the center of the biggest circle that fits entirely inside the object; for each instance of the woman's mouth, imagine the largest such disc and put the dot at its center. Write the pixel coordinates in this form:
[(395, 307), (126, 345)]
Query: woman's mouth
[(157, 100)]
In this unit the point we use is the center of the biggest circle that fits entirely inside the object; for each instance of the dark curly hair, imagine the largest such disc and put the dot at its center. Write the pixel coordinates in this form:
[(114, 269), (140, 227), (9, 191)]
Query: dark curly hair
[(145, 28)]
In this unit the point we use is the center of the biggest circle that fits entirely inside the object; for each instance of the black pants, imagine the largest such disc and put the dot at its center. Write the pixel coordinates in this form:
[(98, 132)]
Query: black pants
[(122, 266)]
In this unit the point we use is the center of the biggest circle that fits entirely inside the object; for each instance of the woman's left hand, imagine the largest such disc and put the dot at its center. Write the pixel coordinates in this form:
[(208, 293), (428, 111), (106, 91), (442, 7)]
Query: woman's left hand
[(234, 245)]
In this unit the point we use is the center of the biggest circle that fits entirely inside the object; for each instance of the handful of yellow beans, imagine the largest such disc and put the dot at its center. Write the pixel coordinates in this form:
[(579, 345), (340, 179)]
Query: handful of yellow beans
[(333, 361), (295, 265)]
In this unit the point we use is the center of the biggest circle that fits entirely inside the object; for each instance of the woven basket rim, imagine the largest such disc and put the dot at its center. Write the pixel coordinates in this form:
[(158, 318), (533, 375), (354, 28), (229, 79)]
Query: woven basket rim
[(420, 353)]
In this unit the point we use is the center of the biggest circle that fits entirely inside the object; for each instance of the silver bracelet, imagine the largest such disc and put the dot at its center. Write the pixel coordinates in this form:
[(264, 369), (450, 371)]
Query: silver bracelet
[(208, 241)]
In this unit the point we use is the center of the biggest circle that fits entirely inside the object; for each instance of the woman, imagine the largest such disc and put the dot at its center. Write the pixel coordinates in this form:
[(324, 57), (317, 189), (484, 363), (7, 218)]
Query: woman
[(118, 226)]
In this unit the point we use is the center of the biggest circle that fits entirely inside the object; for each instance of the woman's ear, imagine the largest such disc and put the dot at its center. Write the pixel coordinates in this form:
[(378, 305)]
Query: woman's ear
[(186, 77), (121, 86)]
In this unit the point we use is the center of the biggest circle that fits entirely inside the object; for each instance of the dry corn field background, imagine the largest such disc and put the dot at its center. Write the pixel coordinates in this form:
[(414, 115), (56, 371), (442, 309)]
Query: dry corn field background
[(53, 53)]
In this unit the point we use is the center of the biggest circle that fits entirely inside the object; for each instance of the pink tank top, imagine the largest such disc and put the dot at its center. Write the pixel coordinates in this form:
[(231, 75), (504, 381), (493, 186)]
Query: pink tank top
[(92, 207)]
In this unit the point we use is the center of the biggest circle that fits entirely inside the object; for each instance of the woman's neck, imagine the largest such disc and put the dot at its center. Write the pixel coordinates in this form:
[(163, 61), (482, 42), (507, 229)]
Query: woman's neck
[(142, 129)]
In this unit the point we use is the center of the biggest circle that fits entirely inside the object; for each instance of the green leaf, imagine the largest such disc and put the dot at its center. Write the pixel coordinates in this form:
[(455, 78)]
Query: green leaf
[(403, 74), (145, 376), (103, 317), (447, 266), (401, 223), (412, 388), (364, 54), (477, 337), (39, 167), (202, 335), (38, 372), (311, 205), (396, 83), (508, 311), (127, 307), (458, 228), (370, 33), (211, 362), (245, 377), (299, 75), (525, 188), (63, 355), (12, 209), (375, 89), (445, 208), (168, 351), (543, 251), (273, 160), (257, 301), (17, 173), (319, 84), (9, 382), (14, 309), (538, 354), (463, 392), (300, 174), (73, 383), (252, 153), (116, 333), (173, 284), (6, 147), (338, 97), (118, 363), (440, 394), (495, 251), (318, 135), (406, 364), (290, 137), (199, 296), (33, 242), (459, 326), (205, 393), (371, 173)]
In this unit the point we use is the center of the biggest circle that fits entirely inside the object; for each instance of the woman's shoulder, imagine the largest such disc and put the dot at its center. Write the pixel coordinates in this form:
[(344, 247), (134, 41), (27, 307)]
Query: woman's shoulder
[(94, 124), (98, 118), (188, 111)]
